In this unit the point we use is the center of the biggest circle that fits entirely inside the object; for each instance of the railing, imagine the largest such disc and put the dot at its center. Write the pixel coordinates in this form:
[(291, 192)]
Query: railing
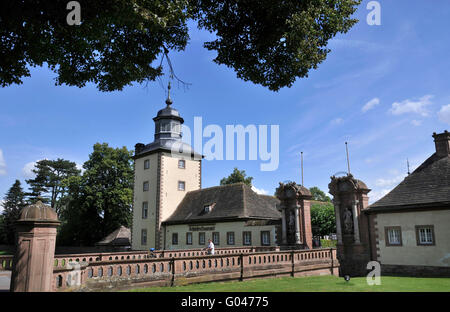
[(62, 260), (167, 271)]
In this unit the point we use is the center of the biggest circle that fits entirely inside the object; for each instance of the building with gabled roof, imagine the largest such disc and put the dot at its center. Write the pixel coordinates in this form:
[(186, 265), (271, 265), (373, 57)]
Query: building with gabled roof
[(410, 226)]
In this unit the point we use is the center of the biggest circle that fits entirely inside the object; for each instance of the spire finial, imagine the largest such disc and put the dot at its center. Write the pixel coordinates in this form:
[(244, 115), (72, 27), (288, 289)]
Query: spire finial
[(168, 100)]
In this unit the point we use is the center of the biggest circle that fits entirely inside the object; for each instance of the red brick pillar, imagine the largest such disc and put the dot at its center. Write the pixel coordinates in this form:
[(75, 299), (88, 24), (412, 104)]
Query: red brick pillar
[(306, 222), (35, 249)]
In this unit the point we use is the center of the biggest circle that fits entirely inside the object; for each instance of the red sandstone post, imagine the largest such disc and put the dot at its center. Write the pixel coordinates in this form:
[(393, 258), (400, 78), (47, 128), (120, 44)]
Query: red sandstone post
[(35, 249)]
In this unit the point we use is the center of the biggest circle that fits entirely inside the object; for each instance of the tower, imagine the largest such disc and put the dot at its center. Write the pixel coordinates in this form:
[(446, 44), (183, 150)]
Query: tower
[(352, 229), (164, 171)]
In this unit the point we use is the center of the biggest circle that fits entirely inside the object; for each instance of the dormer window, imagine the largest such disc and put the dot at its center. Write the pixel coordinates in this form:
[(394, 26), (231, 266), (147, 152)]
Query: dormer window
[(208, 208)]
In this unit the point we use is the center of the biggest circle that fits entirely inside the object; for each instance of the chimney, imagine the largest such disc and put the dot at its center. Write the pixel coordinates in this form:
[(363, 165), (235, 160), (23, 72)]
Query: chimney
[(442, 142)]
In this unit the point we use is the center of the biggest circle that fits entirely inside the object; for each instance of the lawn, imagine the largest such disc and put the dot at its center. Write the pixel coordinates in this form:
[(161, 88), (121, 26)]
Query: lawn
[(314, 284)]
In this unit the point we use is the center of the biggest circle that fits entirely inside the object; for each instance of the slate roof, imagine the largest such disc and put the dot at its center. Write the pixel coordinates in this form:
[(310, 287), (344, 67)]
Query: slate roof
[(120, 237), (427, 186), (232, 202)]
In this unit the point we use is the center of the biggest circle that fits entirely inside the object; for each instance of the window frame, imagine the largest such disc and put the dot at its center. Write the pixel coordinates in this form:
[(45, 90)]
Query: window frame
[(243, 238), (144, 237), (143, 186), (386, 236), (268, 237), (174, 238), (204, 238), (231, 234), (146, 210), (146, 164), (183, 162), (184, 186), (418, 228), (218, 238), (189, 234)]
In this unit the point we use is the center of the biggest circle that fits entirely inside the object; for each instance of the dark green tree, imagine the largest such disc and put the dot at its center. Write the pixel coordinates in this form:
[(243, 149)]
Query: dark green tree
[(237, 176), (47, 183), (118, 42), (13, 202), (101, 199), (318, 194), (323, 218)]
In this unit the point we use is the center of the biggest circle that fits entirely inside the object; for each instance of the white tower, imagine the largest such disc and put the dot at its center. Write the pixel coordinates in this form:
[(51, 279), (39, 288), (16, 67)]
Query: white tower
[(161, 178)]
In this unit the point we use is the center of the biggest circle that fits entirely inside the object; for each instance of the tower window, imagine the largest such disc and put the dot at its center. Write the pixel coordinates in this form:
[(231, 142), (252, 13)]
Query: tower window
[(145, 186), (165, 127), (144, 210), (181, 185), (146, 164), (143, 237), (182, 164)]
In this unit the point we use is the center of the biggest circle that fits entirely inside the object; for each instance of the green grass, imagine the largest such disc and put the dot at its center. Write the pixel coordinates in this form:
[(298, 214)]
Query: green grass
[(314, 284), (326, 243)]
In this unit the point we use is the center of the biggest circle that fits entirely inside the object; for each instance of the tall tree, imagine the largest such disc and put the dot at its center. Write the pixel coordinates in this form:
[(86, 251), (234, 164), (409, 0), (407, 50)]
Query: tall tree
[(101, 199), (319, 195), (323, 218), (47, 183), (118, 42), (13, 202), (237, 176)]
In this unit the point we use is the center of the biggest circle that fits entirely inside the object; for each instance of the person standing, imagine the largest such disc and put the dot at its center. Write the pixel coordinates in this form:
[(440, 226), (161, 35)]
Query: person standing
[(210, 247)]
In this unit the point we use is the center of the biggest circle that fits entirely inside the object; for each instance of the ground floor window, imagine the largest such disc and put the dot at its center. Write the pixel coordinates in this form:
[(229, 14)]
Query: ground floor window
[(265, 238), (189, 238), (201, 238), (425, 235), (247, 238), (393, 236), (230, 238), (174, 238), (216, 238)]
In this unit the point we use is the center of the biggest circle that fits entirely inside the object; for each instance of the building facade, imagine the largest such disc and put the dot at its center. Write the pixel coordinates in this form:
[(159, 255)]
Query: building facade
[(165, 170)]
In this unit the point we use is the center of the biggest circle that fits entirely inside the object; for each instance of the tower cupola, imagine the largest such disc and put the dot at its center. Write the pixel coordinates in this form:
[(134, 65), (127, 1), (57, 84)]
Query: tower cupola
[(168, 122)]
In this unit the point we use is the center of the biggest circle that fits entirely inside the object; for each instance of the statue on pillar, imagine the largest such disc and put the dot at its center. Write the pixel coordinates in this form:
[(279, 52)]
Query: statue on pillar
[(348, 221)]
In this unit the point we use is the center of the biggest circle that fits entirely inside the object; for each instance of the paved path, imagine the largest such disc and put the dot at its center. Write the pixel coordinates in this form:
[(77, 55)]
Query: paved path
[(5, 279)]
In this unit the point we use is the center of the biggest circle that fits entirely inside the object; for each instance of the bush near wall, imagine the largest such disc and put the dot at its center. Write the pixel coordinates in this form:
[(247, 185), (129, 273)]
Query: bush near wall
[(328, 243)]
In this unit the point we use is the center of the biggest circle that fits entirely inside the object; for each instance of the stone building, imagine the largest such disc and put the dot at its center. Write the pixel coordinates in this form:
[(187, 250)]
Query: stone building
[(230, 215), (408, 230)]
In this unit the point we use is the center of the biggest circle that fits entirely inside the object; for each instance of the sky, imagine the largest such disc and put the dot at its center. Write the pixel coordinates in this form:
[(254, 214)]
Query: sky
[(384, 89)]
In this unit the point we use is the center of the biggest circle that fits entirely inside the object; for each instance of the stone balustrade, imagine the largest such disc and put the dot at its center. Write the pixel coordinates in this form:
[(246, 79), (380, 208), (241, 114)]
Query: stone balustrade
[(6, 262), (178, 270)]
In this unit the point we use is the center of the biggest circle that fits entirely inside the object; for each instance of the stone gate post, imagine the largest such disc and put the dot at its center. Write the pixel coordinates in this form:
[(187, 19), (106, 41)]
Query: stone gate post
[(35, 249)]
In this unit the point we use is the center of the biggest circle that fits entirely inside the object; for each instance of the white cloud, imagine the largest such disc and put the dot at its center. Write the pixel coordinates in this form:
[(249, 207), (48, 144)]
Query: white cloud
[(410, 106), (259, 191), (390, 182), (2, 164), (377, 194), (444, 114), (371, 104), (1, 206), (337, 121), (80, 167), (416, 122), (27, 170)]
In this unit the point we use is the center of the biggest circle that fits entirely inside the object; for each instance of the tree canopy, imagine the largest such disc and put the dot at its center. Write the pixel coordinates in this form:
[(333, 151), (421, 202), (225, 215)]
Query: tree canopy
[(268, 42), (100, 200), (237, 176), (318, 194), (323, 218), (13, 202)]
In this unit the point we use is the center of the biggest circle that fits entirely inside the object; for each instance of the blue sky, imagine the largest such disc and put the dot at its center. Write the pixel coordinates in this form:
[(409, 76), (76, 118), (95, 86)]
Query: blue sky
[(384, 89)]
